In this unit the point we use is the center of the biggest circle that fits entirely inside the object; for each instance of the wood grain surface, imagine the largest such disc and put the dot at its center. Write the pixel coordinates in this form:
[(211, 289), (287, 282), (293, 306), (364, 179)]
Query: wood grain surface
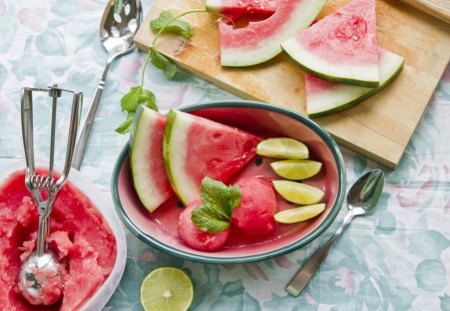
[(439, 9), (379, 128)]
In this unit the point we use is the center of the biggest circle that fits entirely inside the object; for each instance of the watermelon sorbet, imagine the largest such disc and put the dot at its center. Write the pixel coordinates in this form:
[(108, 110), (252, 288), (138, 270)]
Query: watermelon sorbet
[(79, 236)]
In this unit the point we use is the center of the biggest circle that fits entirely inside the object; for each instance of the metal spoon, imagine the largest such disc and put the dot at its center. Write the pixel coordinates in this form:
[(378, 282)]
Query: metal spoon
[(361, 200), (118, 26)]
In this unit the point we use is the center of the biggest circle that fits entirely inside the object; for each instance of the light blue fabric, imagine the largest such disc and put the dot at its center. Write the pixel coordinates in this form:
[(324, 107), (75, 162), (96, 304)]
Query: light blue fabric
[(395, 259)]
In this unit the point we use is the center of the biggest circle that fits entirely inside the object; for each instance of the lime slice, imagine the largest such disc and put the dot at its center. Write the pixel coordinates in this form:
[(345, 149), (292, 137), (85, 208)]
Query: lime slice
[(298, 214), (299, 193), (166, 289), (296, 169), (282, 148)]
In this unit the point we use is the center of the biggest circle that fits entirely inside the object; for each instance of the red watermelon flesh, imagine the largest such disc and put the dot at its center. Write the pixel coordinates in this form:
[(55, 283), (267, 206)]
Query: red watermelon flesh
[(341, 47), (258, 205), (248, 7), (196, 238), (195, 147), (260, 41)]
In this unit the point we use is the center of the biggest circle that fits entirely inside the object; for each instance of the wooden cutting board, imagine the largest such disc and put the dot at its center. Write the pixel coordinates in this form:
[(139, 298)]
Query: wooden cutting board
[(379, 128)]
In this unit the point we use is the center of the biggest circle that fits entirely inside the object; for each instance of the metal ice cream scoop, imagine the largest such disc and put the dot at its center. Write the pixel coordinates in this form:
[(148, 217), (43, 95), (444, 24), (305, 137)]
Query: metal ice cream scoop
[(40, 276)]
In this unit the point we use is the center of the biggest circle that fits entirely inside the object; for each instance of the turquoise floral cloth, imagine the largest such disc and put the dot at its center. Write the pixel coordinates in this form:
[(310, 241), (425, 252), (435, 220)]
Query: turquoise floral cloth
[(398, 258)]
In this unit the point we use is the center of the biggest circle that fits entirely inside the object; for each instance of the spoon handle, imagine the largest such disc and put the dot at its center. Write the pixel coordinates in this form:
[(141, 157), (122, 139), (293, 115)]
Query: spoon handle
[(87, 127), (299, 281)]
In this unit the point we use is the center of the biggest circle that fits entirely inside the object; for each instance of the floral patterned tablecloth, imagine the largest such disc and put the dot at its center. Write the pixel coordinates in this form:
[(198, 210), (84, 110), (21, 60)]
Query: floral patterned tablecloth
[(395, 259)]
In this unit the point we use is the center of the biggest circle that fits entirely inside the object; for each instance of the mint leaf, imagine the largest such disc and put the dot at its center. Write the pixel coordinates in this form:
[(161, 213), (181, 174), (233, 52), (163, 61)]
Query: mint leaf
[(208, 219), (131, 100), (137, 96), (163, 63), (166, 23), (126, 125), (218, 202), (149, 98), (235, 197)]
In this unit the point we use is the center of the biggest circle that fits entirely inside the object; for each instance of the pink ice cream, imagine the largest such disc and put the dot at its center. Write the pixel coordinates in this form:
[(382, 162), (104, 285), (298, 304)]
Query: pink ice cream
[(79, 236)]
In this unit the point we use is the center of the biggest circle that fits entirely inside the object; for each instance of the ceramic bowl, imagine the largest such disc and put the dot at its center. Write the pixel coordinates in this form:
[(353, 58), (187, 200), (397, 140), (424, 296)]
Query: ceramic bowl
[(159, 229), (104, 206)]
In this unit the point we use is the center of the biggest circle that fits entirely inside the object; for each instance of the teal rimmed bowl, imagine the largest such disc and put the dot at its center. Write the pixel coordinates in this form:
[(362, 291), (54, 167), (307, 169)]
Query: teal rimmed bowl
[(159, 229)]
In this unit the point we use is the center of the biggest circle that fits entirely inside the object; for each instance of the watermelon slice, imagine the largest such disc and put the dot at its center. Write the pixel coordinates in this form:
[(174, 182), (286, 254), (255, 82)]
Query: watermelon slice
[(260, 41), (341, 47), (196, 147), (324, 97), (247, 7), (146, 159)]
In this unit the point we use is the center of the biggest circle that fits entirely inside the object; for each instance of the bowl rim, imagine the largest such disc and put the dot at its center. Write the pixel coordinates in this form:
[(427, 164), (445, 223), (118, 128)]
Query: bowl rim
[(325, 136)]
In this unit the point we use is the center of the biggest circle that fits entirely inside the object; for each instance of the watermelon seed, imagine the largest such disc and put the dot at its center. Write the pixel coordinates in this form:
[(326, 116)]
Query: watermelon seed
[(258, 161), (180, 204)]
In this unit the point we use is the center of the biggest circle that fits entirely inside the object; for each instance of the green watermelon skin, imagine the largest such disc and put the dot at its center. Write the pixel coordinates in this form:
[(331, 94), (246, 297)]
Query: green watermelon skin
[(247, 7), (341, 47), (325, 98), (241, 47), (146, 159), (196, 147)]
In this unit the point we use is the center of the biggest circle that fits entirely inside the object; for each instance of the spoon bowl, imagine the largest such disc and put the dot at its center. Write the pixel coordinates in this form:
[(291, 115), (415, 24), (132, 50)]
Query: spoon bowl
[(362, 199)]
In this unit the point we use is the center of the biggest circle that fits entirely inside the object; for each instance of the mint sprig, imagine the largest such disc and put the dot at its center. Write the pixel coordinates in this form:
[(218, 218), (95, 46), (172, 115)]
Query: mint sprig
[(218, 202), (131, 101), (164, 23)]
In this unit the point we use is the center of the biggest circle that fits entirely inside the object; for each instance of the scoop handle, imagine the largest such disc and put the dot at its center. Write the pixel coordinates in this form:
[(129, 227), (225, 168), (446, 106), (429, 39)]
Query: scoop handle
[(306, 272)]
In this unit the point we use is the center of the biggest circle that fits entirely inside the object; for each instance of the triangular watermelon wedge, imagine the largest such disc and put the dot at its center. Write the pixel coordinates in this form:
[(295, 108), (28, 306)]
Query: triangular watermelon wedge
[(146, 159), (260, 41), (324, 97), (341, 47), (196, 147)]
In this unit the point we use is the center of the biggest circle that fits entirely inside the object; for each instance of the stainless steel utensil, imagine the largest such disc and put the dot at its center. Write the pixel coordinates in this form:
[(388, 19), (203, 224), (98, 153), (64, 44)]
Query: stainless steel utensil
[(117, 28), (361, 199), (42, 267)]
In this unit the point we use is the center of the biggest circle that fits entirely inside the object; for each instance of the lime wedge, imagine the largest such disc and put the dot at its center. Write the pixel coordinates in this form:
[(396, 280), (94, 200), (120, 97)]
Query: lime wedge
[(299, 193), (298, 214), (296, 169), (282, 148), (166, 289)]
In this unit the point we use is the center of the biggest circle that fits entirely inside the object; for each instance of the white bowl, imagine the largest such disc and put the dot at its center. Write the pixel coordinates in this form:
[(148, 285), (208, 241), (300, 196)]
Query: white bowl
[(105, 207)]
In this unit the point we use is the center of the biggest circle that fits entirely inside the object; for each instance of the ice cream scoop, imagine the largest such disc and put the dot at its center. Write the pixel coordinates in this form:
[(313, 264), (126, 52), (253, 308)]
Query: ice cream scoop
[(40, 280)]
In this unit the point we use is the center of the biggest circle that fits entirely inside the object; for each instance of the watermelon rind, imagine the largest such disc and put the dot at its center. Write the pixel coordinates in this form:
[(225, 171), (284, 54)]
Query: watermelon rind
[(291, 17), (147, 188), (340, 73), (341, 96), (341, 47), (242, 7), (174, 153)]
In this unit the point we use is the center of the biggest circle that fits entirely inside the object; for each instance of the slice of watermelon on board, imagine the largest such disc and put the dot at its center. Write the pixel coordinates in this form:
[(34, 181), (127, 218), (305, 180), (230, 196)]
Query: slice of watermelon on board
[(324, 97), (146, 159), (247, 7), (196, 147), (260, 41), (341, 47)]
